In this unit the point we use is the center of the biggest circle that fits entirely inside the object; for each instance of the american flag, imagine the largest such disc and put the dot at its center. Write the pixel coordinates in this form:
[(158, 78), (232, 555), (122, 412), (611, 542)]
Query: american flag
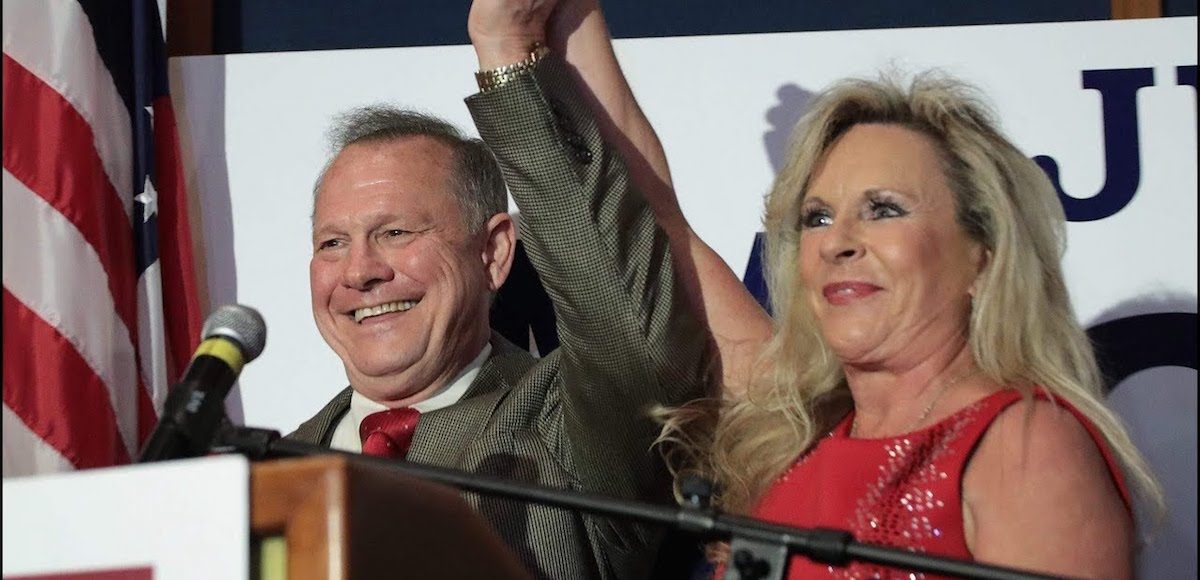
[(100, 295)]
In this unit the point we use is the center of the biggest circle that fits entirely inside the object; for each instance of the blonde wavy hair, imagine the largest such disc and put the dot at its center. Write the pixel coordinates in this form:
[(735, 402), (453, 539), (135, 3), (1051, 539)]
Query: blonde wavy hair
[(1023, 331)]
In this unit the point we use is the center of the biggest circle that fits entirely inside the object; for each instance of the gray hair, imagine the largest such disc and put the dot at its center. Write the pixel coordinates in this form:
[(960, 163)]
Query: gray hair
[(475, 177)]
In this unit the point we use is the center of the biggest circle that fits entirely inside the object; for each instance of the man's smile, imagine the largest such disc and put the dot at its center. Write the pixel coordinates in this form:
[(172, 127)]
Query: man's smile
[(361, 314)]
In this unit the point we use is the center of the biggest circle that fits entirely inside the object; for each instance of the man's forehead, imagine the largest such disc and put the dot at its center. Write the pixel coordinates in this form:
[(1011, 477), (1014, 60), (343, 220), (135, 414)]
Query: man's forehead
[(362, 216), (375, 181), (383, 199)]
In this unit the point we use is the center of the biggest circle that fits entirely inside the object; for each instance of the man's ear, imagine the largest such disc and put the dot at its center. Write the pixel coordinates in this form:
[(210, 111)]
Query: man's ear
[(499, 247)]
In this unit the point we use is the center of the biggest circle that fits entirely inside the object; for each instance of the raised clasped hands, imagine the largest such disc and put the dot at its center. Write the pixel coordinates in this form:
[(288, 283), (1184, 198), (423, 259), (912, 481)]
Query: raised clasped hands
[(503, 30)]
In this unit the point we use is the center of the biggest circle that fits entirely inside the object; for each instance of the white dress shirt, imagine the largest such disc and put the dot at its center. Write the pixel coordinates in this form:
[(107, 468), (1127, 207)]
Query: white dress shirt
[(345, 436)]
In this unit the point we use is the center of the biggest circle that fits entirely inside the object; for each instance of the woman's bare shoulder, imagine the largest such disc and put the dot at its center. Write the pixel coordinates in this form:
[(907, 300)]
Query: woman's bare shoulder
[(1038, 493)]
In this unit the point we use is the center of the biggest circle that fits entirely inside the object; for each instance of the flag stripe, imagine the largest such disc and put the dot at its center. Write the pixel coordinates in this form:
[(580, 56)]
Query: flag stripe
[(52, 270), (35, 354), (24, 451), (48, 146), (50, 39), (112, 32), (151, 339)]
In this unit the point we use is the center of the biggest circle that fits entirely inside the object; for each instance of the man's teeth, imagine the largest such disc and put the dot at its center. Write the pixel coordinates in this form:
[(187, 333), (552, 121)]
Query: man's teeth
[(401, 306)]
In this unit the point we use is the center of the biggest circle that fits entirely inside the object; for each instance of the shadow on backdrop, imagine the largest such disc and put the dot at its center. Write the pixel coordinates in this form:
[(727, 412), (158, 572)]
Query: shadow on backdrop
[(1147, 351)]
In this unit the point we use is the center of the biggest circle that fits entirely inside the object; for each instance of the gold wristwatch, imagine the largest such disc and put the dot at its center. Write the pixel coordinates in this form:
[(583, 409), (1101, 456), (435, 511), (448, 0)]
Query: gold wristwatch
[(495, 78)]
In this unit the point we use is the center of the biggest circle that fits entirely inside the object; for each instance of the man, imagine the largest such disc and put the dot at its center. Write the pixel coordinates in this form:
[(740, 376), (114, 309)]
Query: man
[(409, 241)]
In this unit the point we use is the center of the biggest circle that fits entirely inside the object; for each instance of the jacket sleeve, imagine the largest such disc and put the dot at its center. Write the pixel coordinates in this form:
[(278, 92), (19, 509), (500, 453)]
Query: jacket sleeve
[(628, 340)]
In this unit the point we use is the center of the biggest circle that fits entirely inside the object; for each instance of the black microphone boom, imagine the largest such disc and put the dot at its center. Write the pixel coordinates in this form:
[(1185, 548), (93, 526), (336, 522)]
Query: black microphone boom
[(827, 546), (233, 335)]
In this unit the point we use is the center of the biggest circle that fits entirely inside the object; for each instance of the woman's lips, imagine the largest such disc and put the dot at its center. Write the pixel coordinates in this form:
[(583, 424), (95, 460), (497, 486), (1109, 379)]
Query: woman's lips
[(841, 293)]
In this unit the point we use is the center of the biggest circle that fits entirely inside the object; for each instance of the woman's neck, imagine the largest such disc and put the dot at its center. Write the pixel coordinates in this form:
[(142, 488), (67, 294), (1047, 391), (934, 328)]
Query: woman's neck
[(893, 399)]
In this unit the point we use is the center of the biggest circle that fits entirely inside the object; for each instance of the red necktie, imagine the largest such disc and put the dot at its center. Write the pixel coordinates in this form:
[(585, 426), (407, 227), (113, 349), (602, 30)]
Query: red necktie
[(388, 433)]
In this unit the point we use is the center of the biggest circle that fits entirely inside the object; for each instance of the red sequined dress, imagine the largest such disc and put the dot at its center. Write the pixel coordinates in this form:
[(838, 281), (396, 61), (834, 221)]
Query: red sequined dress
[(900, 491)]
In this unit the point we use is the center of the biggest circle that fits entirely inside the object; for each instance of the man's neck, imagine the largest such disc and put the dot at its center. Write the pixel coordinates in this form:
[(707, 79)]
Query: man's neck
[(436, 396)]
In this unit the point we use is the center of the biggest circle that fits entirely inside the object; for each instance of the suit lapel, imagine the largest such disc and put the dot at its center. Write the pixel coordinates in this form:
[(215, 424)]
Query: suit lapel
[(319, 429), (444, 434)]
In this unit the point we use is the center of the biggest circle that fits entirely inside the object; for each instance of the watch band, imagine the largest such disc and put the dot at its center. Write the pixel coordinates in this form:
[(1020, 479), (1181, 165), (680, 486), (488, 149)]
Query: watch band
[(492, 79)]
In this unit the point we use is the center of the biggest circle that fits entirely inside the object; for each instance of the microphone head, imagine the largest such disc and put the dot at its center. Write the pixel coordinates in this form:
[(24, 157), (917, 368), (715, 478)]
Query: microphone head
[(696, 490), (241, 324)]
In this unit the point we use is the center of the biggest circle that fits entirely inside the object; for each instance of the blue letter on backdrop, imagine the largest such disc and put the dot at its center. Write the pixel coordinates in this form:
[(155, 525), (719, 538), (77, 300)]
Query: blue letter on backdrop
[(1122, 162)]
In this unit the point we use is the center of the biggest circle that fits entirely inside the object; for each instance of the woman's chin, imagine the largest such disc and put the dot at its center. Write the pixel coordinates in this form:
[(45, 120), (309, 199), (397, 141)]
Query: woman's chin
[(852, 348)]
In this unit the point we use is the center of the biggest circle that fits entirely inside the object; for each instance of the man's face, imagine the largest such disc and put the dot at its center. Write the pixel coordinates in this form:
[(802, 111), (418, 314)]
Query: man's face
[(400, 287)]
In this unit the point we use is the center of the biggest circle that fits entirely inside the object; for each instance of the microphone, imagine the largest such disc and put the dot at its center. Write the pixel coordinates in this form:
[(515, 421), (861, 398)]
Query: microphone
[(233, 335)]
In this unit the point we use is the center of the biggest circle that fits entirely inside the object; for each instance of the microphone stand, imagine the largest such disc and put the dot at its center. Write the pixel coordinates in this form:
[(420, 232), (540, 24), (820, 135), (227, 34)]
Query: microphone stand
[(759, 550)]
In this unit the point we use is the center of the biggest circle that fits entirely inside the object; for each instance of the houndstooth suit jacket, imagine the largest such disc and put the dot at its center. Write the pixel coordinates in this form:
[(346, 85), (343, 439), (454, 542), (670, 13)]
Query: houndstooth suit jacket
[(575, 419)]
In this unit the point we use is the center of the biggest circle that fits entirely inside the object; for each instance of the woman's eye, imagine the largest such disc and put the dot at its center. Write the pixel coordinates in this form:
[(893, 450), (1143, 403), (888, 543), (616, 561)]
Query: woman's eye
[(886, 209), (815, 218)]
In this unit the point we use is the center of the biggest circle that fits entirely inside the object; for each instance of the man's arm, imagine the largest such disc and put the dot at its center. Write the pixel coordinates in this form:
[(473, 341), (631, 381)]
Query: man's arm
[(502, 32), (628, 339)]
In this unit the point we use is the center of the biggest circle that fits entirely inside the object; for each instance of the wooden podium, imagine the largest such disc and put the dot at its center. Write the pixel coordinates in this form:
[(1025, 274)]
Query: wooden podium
[(340, 519), (222, 516)]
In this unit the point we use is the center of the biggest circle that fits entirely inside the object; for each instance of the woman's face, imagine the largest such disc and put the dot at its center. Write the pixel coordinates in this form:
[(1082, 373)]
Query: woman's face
[(885, 266)]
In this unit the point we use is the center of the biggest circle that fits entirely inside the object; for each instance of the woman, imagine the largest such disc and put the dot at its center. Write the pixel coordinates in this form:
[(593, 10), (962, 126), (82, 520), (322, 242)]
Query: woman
[(924, 383), (928, 385)]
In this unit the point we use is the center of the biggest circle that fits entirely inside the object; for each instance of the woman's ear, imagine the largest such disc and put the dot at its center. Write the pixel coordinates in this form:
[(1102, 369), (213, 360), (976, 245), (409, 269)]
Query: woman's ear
[(983, 258)]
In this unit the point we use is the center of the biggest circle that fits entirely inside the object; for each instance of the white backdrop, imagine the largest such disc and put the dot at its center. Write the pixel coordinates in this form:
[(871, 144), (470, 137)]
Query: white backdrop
[(253, 128)]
